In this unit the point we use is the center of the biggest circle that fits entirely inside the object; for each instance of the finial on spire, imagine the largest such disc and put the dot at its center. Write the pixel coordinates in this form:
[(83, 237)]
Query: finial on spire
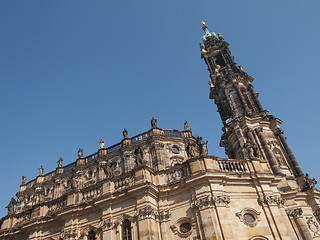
[(208, 35)]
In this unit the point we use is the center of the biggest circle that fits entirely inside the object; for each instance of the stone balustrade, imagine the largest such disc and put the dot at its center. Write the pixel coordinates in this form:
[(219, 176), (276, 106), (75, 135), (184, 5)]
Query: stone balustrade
[(174, 175)]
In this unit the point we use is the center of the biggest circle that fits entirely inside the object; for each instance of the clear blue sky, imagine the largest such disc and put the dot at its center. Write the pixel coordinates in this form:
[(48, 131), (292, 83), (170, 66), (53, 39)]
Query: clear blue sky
[(75, 71)]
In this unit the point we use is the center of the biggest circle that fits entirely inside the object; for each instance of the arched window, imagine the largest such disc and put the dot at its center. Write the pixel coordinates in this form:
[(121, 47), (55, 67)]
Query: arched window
[(92, 235), (126, 230)]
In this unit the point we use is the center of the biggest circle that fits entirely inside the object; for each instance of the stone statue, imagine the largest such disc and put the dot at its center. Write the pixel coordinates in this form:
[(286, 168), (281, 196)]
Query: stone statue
[(186, 126), (60, 162), (24, 179), (192, 150), (125, 133), (309, 183), (154, 123), (74, 181), (216, 70), (249, 149), (80, 153), (108, 170), (139, 156), (41, 169), (256, 151), (202, 146), (101, 144), (220, 36), (11, 205)]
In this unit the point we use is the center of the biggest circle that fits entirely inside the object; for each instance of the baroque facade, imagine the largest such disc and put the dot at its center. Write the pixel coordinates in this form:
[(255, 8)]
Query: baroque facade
[(162, 184)]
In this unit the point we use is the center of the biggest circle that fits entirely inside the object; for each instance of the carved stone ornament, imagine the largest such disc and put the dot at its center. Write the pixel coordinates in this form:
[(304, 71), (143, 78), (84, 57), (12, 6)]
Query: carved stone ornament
[(275, 148), (294, 213), (147, 212), (164, 215), (183, 227), (273, 200), (313, 226), (309, 183), (105, 223), (316, 213), (249, 216), (221, 201), (201, 203), (192, 150)]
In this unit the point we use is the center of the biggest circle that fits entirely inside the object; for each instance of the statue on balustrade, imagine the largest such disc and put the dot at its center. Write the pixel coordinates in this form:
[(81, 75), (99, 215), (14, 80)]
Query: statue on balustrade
[(186, 126), (139, 156), (24, 179), (154, 123), (125, 133), (60, 162), (192, 150), (11, 205), (41, 169), (202, 146), (80, 153), (101, 144)]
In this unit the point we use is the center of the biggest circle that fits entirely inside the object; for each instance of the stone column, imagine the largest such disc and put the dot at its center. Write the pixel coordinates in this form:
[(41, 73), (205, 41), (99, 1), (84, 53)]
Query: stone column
[(207, 218), (278, 221), (255, 97), (296, 215), (221, 203), (269, 154), (293, 160), (148, 227), (246, 107), (254, 141)]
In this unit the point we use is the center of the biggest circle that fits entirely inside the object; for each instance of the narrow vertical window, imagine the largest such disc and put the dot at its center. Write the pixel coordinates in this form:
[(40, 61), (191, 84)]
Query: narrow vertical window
[(92, 235), (126, 230)]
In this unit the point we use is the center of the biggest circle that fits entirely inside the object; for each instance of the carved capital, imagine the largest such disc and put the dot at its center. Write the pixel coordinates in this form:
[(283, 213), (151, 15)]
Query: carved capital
[(147, 212), (221, 201), (106, 223), (273, 200), (201, 203), (164, 215), (278, 132), (294, 213)]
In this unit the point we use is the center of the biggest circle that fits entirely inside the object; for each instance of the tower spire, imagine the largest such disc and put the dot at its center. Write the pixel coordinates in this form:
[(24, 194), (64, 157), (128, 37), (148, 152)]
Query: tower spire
[(249, 131)]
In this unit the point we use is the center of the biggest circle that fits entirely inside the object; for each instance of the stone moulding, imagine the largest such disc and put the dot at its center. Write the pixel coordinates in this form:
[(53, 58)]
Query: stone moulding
[(208, 201), (272, 200), (184, 227), (249, 216), (294, 212)]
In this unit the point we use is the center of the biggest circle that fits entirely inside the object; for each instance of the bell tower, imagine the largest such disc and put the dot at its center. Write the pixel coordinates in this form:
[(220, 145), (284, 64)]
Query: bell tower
[(249, 131)]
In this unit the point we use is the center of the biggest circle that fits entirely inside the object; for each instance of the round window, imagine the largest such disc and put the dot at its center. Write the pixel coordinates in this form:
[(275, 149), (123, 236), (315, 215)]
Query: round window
[(185, 227), (175, 149), (249, 218)]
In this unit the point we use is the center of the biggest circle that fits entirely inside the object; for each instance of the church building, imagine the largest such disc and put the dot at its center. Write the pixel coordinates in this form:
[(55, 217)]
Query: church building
[(163, 185)]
